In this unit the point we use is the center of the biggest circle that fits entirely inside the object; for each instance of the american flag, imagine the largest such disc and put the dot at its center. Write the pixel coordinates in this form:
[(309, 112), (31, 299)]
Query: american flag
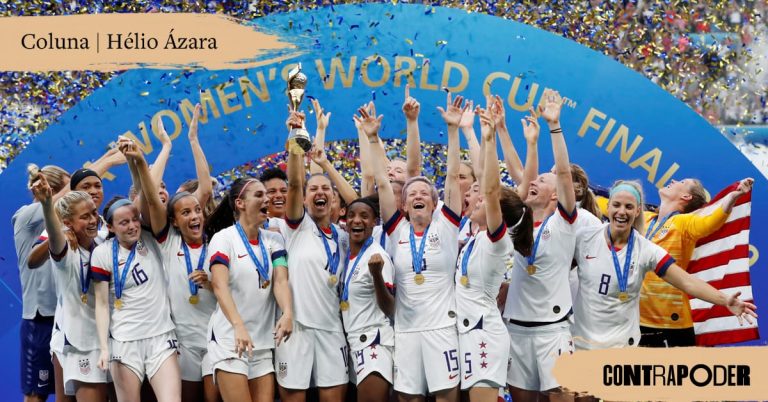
[(722, 260)]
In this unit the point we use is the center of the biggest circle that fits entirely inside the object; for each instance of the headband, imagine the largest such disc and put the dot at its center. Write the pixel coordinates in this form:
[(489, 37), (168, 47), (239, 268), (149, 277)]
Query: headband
[(242, 190), (519, 221), (628, 188), (80, 175), (112, 208)]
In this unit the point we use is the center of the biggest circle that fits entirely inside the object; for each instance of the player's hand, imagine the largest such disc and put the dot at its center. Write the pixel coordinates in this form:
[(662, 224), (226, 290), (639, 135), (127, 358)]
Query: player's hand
[(243, 341), (745, 186), (411, 106), (200, 278), (103, 360), (741, 309), (283, 329), (375, 265), (41, 189)]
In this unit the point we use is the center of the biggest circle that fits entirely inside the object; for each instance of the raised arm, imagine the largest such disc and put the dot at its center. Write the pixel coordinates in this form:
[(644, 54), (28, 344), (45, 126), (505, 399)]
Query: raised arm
[(491, 182), (511, 158), (699, 289), (384, 298), (110, 159), (243, 342), (158, 168), (411, 110), (348, 194), (296, 171), (468, 130), (370, 125), (550, 111), (745, 186), (43, 193), (149, 194), (531, 133), (322, 119), (367, 179), (204, 187), (452, 197)]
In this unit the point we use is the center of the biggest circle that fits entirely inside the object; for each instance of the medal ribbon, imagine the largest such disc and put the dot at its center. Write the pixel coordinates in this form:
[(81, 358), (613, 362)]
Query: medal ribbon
[(622, 276), (351, 272), (120, 278), (651, 231), (262, 269), (192, 285), (417, 255), (532, 258), (85, 276), (333, 259), (465, 257)]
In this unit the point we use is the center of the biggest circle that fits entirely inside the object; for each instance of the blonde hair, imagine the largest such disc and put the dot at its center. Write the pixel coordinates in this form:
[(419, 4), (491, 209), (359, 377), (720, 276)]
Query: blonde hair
[(698, 196), (56, 176), (639, 222), (66, 204)]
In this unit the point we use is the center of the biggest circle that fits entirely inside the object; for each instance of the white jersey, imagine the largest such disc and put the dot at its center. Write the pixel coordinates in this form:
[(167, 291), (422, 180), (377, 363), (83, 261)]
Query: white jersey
[(191, 320), (145, 312), (315, 301), (364, 315), (465, 230), (584, 220), (430, 305), (278, 223), (256, 305), (544, 296), (380, 237), (486, 265), (37, 287), (601, 319), (76, 319)]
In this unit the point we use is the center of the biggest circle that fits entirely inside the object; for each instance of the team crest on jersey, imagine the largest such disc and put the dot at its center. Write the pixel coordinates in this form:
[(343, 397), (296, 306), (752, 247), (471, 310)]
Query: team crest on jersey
[(631, 268), (43, 375), (141, 248), (433, 241), (663, 232), (547, 234), (85, 366), (282, 370)]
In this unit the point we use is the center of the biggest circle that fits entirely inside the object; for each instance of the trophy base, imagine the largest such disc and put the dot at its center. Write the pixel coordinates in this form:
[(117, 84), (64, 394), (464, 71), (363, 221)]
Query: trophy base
[(298, 141)]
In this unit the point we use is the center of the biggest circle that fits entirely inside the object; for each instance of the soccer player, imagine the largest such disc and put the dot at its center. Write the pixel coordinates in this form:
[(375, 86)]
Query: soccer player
[(317, 351), (612, 261), (249, 275), (665, 313), (424, 251)]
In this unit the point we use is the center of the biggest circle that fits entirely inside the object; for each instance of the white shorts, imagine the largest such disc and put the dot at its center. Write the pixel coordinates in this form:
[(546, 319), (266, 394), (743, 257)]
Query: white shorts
[(312, 357), (226, 359), (82, 367), (533, 352), (194, 363), (426, 361), (144, 356), (484, 356), (374, 358), (57, 341)]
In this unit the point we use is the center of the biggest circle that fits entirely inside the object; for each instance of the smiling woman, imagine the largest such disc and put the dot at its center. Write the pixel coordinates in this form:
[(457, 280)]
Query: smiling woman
[(48, 41)]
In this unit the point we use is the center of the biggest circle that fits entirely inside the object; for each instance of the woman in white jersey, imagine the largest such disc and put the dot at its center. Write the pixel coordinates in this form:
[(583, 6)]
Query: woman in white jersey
[(317, 352), (369, 331), (424, 252), (612, 262), (483, 338), (539, 303), (250, 274), (77, 212), (133, 315)]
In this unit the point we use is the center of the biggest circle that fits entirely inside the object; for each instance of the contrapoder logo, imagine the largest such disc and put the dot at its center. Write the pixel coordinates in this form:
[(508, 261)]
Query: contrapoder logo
[(673, 374), (700, 375)]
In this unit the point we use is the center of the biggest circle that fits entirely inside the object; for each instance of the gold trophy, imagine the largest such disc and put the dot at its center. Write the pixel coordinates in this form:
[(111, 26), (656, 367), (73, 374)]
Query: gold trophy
[(298, 137)]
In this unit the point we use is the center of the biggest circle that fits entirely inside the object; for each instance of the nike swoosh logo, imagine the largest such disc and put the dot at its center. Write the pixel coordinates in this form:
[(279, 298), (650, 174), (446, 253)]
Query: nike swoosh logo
[(402, 242), (452, 376), (42, 385), (466, 377), (241, 256), (590, 257), (180, 254), (360, 371)]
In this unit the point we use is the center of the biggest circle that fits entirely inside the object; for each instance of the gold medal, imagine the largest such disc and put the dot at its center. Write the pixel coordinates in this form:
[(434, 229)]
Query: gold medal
[(84, 298), (332, 280), (623, 296), (344, 305), (418, 278), (464, 280), (531, 269), (194, 299), (118, 304), (265, 284)]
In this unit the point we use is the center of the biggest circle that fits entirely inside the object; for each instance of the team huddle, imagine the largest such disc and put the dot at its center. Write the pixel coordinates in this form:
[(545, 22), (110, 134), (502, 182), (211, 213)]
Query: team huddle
[(298, 278)]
